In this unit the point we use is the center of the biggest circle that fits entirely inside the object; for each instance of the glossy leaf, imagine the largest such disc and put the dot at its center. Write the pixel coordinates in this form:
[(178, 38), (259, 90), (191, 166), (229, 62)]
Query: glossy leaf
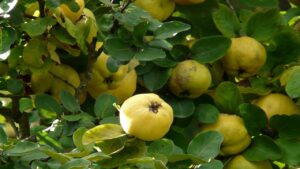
[(263, 148), (69, 102), (228, 97), (104, 105), (206, 113), (170, 29), (101, 133), (7, 37), (287, 126), (206, 145), (119, 49), (149, 54), (251, 113), (290, 149), (226, 21), (154, 82), (210, 49), (46, 102), (182, 107), (38, 26)]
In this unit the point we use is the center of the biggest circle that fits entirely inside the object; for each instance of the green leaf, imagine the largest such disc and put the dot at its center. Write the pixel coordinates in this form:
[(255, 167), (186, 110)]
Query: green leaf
[(255, 118), (226, 21), (170, 29), (25, 104), (63, 36), (76, 164), (293, 85), (214, 164), (112, 146), (287, 126), (209, 49), (149, 54), (70, 3), (182, 107), (77, 138), (22, 148), (165, 62), (154, 82), (48, 103), (15, 86), (96, 157), (264, 25), (105, 22), (206, 145), (118, 49), (228, 97), (161, 43), (206, 113), (102, 132), (69, 102), (3, 136), (57, 156), (134, 149), (262, 148), (162, 146), (7, 38), (38, 26), (255, 3), (104, 105), (290, 151), (34, 52)]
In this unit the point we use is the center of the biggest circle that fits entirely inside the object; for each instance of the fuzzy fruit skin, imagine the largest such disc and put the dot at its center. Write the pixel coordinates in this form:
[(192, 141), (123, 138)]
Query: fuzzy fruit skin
[(64, 78), (137, 118), (245, 57), (236, 137), (159, 9), (277, 104), (41, 82), (122, 84), (67, 12), (240, 162), (189, 79), (189, 2)]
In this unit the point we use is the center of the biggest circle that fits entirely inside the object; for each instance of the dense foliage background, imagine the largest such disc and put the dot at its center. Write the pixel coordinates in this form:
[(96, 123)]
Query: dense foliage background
[(52, 128)]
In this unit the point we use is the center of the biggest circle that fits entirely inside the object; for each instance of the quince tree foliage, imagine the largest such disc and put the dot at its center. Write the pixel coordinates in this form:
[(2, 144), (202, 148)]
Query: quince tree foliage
[(150, 84)]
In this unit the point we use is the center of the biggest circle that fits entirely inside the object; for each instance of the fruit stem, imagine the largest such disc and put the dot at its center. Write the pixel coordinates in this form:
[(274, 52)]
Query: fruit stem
[(118, 107)]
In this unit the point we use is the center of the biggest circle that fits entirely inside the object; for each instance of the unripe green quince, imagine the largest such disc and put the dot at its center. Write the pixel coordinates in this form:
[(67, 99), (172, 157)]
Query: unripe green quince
[(146, 116), (240, 162), (245, 57), (189, 79)]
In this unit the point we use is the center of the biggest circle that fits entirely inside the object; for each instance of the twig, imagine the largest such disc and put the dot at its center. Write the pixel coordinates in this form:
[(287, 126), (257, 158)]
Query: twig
[(42, 7)]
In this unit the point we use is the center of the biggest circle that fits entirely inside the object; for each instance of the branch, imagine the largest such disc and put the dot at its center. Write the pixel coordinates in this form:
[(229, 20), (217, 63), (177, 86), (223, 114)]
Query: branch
[(42, 7)]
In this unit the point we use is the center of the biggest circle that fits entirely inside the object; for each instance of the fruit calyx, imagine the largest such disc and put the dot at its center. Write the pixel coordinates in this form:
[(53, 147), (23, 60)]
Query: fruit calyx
[(154, 106)]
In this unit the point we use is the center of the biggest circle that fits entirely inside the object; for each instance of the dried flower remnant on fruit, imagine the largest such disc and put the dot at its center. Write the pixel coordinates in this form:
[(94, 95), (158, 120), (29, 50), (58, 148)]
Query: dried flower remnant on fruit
[(154, 106)]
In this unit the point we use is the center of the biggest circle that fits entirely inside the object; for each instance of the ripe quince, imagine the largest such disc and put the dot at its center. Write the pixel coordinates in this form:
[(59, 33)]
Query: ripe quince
[(236, 137), (159, 9), (121, 84), (72, 15), (188, 2), (146, 116), (240, 162), (245, 57), (189, 79), (277, 104)]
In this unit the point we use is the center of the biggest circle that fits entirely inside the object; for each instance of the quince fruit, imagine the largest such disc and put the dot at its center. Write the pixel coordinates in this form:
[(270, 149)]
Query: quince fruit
[(245, 57), (189, 79), (72, 15), (146, 116), (121, 84), (236, 137), (188, 2), (240, 162), (41, 82), (277, 104), (159, 9), (32, 9), (65, 78)]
